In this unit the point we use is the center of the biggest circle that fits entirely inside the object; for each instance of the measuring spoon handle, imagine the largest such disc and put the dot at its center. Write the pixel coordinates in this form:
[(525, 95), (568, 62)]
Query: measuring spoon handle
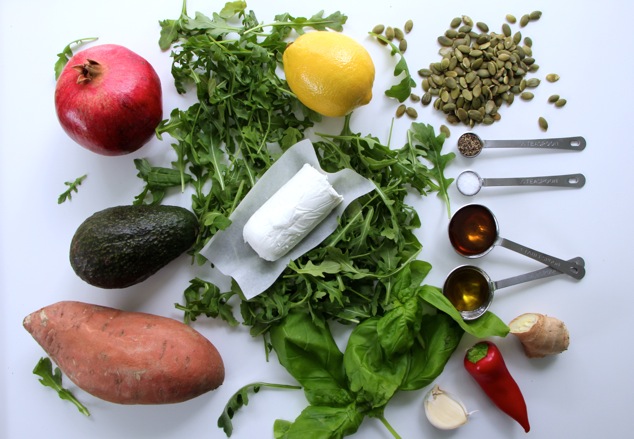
[(567, 180), (534, 275), (562, 266), (577, 143)]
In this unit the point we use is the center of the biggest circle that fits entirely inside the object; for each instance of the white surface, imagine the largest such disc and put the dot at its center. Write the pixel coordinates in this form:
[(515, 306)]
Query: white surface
[(586, 392)]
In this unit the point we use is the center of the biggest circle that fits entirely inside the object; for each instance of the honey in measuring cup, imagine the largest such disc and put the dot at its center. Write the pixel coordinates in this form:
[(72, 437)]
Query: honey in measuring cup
[(473, 230)]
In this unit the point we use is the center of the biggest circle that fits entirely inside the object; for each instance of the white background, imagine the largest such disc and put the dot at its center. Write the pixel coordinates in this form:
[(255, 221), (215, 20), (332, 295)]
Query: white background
[(585, 392)]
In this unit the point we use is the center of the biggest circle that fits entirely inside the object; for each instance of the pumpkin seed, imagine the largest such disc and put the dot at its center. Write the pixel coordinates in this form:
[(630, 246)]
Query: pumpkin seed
[(411, 112), (451, 33), (462, 115), (444, 40), (553, 98), (426, 99), (445, 130), (424, 73), (528, 41), (451, 83), (533, 82), (506, 30), (402, 46), (414, 97), (552, 77), (560, 102), (455, 22), (378, 29), (543, 123), (400, 110), (409, 25), (511, 18), (399, 34), (465, 28), (482, 26), (527, 95), (535, 15), (475, 115), (389, 33), (467, 20), (524, 20)]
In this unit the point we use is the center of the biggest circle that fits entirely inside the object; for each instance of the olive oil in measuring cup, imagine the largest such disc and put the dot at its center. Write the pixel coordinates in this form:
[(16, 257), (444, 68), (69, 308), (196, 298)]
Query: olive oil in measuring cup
[(467, 288)]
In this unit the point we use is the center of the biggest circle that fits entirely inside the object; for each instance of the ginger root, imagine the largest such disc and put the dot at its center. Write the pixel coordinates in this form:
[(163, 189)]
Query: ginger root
[(540, 335)]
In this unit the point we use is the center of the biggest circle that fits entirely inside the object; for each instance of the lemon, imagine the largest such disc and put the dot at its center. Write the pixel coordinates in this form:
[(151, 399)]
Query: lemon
[(329, 72)]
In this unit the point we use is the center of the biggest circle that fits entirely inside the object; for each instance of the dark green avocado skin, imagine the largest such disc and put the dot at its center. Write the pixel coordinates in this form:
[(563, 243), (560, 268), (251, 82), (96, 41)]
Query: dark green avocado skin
[(124, 245)]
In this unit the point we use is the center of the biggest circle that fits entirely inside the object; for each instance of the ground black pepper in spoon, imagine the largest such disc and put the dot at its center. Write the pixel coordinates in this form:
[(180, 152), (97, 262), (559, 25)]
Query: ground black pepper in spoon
[(470, 144)]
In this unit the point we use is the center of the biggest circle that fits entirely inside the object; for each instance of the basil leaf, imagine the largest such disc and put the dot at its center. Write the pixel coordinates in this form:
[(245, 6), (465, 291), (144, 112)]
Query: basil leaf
[(439, 337), (373, 376), (308, 351), (321, 422), (489, 325)]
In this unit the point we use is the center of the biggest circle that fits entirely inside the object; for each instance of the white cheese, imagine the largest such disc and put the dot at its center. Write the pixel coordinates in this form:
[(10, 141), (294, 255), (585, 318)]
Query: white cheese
[(291, 214)]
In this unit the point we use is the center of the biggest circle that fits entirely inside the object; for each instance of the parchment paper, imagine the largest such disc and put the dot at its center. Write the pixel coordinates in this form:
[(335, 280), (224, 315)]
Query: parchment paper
[(233, 257)]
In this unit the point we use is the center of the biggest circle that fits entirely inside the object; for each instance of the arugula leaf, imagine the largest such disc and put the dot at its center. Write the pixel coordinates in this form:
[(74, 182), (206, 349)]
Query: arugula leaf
[(73, 186), (421, 136), (203, 297), (67, 53), (240, 399), (403, 89), (44, 369)]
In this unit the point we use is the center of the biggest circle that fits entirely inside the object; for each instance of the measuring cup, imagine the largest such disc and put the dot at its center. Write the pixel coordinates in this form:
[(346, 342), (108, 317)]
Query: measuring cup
[(469, 182), (470, 144), (470, 289), (473, 232)]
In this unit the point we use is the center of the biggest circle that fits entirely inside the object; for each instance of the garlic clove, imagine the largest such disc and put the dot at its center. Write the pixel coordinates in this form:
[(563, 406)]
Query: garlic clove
[(443, 410)]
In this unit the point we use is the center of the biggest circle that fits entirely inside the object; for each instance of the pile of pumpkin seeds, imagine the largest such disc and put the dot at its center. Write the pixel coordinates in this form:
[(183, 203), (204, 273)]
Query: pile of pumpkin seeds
[(480, 70)]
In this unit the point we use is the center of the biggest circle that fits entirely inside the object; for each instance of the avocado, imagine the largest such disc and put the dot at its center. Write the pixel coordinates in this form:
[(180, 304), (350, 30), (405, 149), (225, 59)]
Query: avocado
[(124, 245)]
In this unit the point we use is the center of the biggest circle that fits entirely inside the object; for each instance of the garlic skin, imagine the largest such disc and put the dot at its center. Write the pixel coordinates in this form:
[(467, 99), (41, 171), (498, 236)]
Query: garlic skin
[(444, 410)]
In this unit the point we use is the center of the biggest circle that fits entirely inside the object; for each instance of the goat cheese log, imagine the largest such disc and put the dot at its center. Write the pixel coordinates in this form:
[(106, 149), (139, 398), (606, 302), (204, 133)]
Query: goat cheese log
[(291, 214)]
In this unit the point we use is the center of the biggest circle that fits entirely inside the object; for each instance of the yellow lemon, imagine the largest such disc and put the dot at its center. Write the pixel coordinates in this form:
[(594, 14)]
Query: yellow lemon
[(329, 72)]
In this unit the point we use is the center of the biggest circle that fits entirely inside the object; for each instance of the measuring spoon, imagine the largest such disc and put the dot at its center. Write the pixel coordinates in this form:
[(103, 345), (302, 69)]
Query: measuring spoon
[(470, 289), (470, 144), (469, 182), (473, 232)]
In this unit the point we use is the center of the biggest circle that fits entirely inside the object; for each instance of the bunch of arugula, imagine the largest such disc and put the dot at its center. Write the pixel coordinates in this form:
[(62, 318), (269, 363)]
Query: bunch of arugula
[(366, 273)]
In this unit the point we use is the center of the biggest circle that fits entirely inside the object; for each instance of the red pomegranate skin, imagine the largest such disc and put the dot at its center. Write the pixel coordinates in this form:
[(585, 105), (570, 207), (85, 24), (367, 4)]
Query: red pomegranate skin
[(116, 111)]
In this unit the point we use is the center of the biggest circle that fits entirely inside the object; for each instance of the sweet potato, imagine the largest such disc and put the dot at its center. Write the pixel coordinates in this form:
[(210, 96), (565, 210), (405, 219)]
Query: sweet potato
[(126, 357)]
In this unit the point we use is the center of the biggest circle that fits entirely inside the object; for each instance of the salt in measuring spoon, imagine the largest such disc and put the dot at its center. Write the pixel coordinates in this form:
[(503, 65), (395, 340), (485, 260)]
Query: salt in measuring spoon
[(469, 182), (470, 144), (473, 232), (470, 289)]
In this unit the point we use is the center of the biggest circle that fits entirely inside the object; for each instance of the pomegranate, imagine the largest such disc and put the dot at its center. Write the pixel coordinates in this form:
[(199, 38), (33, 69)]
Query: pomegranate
[(108, 99)]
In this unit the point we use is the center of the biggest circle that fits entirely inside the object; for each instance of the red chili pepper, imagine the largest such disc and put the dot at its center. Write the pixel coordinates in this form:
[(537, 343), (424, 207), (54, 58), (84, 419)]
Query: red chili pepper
[(485, 364)]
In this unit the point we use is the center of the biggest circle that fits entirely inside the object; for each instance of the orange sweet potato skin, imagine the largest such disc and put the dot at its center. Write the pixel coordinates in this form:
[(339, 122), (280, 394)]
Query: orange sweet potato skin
[(126, 357)]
